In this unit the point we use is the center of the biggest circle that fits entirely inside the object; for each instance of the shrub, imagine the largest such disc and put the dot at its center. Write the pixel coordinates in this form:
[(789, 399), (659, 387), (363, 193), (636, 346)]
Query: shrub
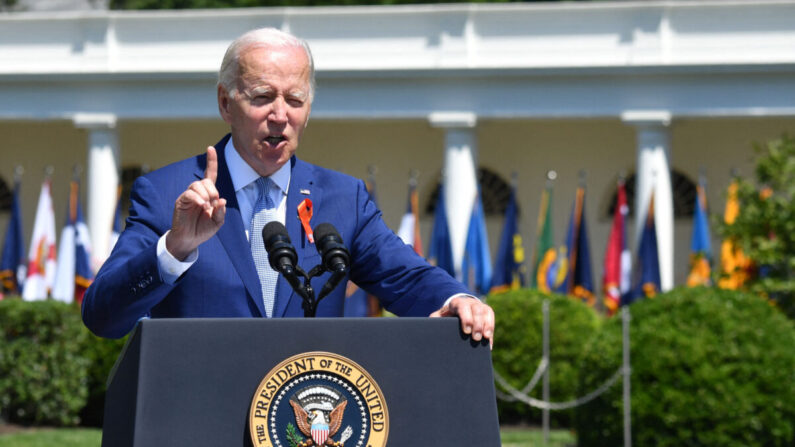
[(710, 367), (102, 354), (518, 348), (43, 378)]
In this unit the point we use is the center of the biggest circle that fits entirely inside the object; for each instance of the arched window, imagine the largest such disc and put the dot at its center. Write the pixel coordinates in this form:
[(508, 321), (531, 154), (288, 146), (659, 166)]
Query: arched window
[(5, 196), (128, 176), (494, 191), (684, 195)]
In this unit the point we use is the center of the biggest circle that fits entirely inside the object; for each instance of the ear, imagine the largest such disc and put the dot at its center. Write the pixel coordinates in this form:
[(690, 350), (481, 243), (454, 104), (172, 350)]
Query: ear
[(224, 104)]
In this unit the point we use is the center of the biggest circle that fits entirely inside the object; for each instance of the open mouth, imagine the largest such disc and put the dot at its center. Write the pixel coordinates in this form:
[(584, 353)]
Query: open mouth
[(274, 140)]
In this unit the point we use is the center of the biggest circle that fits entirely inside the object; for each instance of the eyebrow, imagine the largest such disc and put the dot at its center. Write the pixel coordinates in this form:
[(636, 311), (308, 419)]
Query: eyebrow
[(298, 93)]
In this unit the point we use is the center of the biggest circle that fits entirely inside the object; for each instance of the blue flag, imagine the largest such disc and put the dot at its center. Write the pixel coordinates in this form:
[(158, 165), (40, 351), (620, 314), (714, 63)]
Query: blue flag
[(440, 252), (12, 264), (508, 273), (578, 281), (700, 245), (73, 273), (84, 274), (476, 265), (648, 268)]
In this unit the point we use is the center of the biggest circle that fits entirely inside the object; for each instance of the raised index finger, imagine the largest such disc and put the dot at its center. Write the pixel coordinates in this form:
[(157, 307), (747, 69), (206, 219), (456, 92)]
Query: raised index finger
[(211, 172)]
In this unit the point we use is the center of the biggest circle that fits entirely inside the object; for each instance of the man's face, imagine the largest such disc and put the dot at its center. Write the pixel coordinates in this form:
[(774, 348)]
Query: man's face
[(271, 108)]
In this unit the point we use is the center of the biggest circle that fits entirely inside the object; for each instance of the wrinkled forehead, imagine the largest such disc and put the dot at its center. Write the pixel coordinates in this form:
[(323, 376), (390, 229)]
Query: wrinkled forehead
[(268, 63)]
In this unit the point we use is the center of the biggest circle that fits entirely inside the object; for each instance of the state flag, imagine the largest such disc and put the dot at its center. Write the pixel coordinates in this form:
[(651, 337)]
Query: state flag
[(73, 272), (618, 260), (648, 266), (41, 253), (509, 271), (700, 245), (440, 251), (476, 264), (12, 263)]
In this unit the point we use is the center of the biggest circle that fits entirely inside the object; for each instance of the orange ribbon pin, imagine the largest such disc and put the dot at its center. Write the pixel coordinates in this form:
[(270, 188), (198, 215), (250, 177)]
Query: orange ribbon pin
[(304, 215)]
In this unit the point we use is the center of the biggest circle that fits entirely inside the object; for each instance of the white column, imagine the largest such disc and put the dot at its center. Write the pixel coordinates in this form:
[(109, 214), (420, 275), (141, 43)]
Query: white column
[(102, 178), (654, 174), (459, 175)]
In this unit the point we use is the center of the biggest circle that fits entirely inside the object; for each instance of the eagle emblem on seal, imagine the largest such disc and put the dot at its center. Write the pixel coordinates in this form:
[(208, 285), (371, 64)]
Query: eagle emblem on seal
[(318, 415)]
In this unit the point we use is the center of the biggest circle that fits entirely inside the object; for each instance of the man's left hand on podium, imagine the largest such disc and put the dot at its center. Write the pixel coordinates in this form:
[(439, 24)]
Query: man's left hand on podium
[(477, 317)]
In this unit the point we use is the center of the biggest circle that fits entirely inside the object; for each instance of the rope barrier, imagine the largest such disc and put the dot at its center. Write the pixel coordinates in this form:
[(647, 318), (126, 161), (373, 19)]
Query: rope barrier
[(542, 367), (517, 395)]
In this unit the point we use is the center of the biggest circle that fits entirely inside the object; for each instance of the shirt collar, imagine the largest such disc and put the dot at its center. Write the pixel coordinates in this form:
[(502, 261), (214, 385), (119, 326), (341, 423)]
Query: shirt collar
[(243, 175)]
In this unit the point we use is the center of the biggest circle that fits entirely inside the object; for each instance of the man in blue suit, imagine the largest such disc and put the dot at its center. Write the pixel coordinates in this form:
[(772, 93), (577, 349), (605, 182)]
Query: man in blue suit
[(187, 248)]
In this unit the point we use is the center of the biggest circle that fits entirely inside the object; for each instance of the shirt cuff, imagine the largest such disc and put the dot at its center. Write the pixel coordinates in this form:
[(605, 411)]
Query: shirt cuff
[(170, 267), (458, 295)]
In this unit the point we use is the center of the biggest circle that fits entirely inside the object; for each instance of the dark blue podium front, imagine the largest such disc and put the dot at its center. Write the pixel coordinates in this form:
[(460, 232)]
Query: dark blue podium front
[(190, 382)]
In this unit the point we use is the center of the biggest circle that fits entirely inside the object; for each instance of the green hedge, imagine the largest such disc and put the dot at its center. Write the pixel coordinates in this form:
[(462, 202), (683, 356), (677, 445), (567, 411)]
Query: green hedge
[(52, 369), (518, 348), (43, 376), (709, 368), (101, 354)]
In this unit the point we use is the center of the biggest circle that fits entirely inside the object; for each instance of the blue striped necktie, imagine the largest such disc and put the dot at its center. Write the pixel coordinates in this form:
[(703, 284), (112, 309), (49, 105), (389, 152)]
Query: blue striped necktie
[(264, 212)]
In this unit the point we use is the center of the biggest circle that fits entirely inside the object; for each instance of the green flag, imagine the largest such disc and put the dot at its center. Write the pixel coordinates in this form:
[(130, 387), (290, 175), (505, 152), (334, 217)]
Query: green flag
[(543, 234)]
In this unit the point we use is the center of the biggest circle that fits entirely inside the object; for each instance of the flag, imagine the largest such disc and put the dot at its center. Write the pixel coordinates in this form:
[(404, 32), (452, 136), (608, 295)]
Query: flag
[(551, 263), (700, 246), (409, 230), (578, 279), (735, 266), (543, 237), (618, 260), (358, 303), (115, 231), (476, 264), (73, 272), (12, 264), (648, 267), (41, 254), (509, 271), (440, 251)]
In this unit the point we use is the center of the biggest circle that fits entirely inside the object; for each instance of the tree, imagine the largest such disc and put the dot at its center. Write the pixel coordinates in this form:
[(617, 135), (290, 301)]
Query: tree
[(765, 225)]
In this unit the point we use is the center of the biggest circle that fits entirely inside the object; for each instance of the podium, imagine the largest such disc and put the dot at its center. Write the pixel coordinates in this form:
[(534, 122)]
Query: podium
[(214, 382)]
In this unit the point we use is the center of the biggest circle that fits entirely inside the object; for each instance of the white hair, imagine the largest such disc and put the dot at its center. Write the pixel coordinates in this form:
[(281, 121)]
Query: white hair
[(261, 37)]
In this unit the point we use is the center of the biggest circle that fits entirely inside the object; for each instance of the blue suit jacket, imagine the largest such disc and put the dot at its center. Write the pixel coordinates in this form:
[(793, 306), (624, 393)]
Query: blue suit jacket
[(224, 283)]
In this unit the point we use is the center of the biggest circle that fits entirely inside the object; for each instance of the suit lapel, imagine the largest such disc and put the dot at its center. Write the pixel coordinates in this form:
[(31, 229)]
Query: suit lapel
[(232, 234), (302, 186)]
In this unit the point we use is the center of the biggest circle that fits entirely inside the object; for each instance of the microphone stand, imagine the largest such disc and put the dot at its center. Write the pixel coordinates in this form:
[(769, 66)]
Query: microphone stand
[(306, 291)]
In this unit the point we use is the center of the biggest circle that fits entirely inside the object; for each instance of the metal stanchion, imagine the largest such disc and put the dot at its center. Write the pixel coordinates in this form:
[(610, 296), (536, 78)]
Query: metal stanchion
[(545, 411), (625, 317)]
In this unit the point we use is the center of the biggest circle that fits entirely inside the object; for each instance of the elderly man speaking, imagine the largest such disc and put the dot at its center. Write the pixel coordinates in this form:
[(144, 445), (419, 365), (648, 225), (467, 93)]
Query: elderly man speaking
[(192, 244)]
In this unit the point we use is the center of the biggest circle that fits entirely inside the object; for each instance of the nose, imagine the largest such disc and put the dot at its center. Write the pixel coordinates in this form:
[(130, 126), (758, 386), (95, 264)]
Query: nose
[(278, 111)]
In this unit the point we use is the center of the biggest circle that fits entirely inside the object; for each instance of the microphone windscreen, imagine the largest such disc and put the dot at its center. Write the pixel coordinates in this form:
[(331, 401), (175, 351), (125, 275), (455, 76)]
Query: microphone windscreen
[(325, 229), (274, 228)]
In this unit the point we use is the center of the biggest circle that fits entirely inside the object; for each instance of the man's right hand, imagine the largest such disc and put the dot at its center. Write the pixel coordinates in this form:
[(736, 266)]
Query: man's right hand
[(198, 212)]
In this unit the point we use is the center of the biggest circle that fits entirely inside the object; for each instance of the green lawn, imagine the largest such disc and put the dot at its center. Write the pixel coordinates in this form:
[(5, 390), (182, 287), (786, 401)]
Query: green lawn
[(532, 437), (85, 437), (64, 437)]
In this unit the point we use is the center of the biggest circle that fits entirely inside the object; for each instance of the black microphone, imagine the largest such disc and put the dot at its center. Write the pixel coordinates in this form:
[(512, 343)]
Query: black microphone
[(281, 253), (331, 248)]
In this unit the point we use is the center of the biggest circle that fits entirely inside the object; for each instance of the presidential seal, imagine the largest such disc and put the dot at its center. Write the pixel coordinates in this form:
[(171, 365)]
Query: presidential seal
[(318, 399)]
